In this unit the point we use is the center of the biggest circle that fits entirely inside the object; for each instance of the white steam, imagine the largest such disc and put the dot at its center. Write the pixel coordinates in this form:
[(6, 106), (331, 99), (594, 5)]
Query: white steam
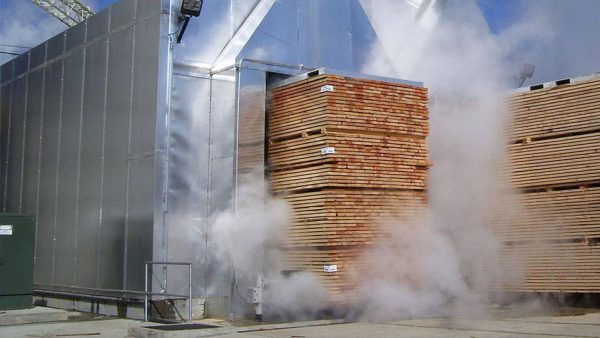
[(448, 260), (247, 236), (249, 239)]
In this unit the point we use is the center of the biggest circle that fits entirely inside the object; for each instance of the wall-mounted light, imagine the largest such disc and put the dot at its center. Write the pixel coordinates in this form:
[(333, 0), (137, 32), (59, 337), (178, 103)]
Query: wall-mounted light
[(189, 8)]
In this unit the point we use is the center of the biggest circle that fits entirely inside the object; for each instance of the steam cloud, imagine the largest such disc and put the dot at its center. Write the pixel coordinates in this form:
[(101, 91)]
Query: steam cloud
[(249, 239), (446, 259)]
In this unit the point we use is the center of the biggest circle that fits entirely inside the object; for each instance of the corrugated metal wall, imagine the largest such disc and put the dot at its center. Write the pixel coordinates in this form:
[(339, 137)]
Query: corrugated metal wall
[(77, 136)]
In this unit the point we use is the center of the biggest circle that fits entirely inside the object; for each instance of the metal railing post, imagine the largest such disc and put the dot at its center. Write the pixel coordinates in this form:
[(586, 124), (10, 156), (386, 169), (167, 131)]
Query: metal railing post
[(190, 300), (146, 292), (189, 296)]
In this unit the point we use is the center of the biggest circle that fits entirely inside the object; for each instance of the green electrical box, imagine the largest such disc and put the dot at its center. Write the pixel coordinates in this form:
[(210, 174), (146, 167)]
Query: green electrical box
[(17, 237)]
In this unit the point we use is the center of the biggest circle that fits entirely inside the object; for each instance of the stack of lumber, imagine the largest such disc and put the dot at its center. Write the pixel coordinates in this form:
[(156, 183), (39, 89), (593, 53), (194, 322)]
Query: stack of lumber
[(347, 154), (555, 157)]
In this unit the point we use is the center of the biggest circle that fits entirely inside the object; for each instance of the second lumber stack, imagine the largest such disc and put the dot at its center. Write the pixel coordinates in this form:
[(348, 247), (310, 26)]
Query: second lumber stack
[(346, 153)]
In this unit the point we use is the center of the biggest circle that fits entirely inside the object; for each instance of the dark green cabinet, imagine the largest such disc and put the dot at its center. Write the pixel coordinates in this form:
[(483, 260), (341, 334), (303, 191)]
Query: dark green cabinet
[(17, 237)]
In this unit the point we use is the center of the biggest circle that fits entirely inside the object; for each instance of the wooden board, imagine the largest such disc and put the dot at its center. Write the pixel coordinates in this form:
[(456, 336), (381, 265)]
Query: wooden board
[(553, 215), (555, 111), (556, 161), (354, 104), (556, 267), (555, 241), (346, 160), (340, 217)]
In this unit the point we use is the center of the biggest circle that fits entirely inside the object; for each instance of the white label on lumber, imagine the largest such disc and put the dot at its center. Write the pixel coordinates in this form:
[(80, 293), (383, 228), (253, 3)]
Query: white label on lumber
[(327, 88), (330, 268), (327, 150), (6, 230)]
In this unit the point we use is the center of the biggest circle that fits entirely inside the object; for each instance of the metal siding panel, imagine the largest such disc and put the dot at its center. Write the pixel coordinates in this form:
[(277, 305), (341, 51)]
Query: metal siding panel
[(55, 46), (97, 25), (221, 179), (4, 117), (91, 164), (37, 55), (188, 179), (32, 141), (325, 34), (145, 79), (140, 220), (6, 71), (121, 14), (21, 64), (115, 160), (44, 267), (364, 38), (75, 36), (251, 121), (276, 39), (66, 217), (148, 7), (15, 146)]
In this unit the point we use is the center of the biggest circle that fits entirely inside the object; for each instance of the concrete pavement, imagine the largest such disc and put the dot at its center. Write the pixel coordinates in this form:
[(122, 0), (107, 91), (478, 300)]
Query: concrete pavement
[(576, 324)]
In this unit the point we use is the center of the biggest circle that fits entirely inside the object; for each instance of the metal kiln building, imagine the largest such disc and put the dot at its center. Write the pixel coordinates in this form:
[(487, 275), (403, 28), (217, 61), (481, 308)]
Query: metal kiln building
[(124, 144)]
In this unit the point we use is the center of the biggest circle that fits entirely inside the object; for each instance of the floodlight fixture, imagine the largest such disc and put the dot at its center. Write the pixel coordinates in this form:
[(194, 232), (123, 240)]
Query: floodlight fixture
[(189, 8)]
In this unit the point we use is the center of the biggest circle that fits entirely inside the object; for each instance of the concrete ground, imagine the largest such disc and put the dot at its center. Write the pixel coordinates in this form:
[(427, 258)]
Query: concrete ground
[(575, 324)]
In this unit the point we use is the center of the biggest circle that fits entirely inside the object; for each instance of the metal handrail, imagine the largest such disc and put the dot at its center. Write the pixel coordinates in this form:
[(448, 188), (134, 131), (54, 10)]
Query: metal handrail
[(146, 293)]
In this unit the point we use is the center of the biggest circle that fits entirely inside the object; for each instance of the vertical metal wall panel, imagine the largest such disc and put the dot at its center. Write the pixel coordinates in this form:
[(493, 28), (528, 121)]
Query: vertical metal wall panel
[(6, 71), (122, 13), (112, 235), (251, 121), (97, 25), (223, 116), (188, 178), (147, 8), (4, 124), (222, 143), (140, 220), (37, 55), (15, 146), (32, 141), (91, 164), (44, 262), (364, 38), (55, 46), (21, 64), (143, 200), (68, 164), (75, 37), (145, 79), (325, 24), (276, 39)]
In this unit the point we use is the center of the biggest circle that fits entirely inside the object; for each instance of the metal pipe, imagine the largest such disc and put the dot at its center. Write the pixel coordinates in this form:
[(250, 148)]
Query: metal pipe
[(190, 299), (146, 292), (83, 295), (107, 290), (168, 263)]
